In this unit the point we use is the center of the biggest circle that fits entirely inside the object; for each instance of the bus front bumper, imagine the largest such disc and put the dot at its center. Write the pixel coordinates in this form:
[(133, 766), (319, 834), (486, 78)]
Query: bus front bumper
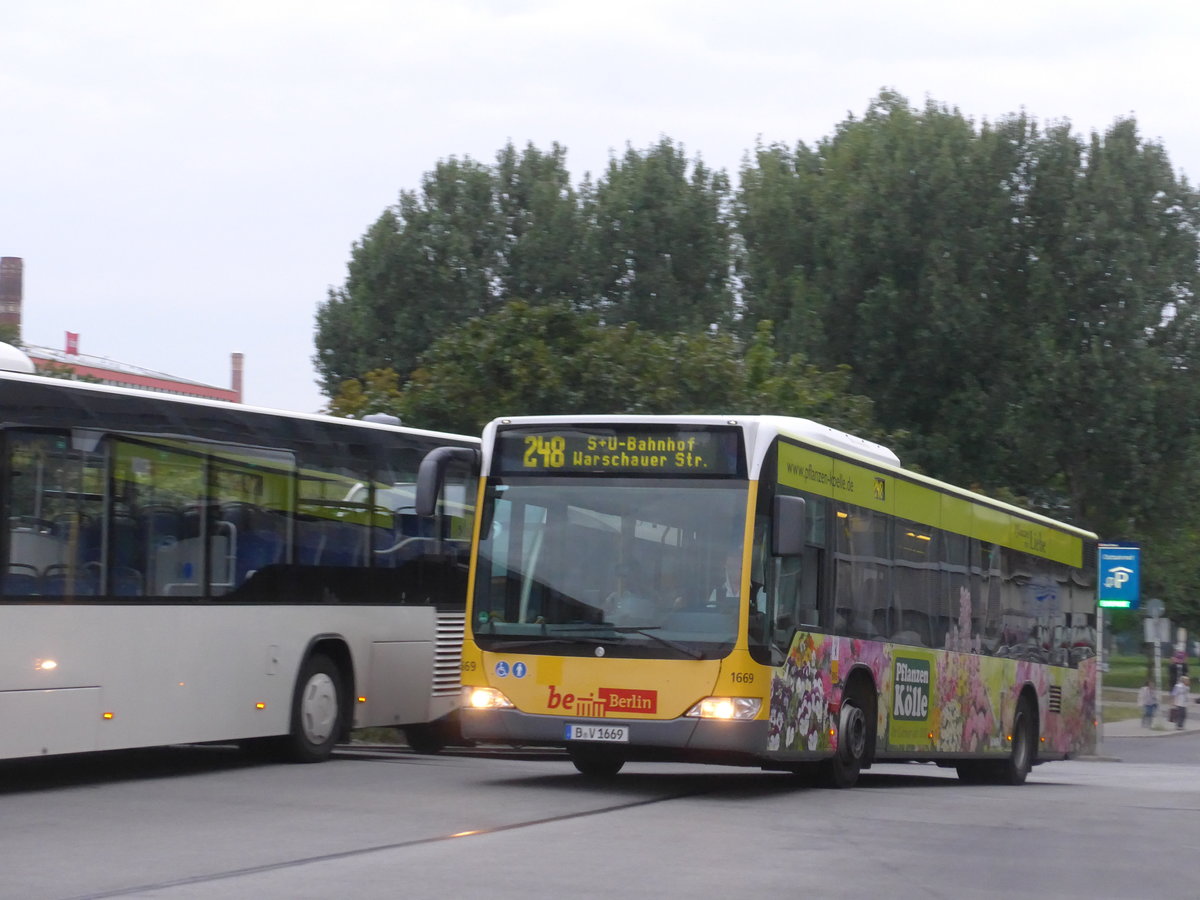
[(686, 736)]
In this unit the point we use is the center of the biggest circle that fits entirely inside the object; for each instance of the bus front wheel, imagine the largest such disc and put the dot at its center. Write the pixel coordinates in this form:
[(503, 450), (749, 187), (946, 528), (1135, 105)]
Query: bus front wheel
[(426, 739), (595, 763), (317, 713)]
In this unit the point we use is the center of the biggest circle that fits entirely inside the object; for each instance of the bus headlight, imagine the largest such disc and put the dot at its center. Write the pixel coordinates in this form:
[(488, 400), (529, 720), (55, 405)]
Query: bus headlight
[(726, 708), (485, 698)]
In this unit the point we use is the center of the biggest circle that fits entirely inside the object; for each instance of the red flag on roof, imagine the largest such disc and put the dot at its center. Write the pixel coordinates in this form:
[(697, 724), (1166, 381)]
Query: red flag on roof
[(73, 343)]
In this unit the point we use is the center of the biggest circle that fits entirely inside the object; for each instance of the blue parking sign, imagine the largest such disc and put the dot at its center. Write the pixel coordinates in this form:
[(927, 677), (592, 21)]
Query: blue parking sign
[(1119, 575)]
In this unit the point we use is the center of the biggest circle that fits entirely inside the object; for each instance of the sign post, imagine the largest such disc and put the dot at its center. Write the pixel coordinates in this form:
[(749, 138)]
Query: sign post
[(1154, 631), (1120, 575), (1117, 587)]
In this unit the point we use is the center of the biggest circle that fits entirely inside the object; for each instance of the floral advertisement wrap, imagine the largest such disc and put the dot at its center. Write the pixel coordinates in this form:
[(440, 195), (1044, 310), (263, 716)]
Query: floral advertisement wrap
[(931, 701)]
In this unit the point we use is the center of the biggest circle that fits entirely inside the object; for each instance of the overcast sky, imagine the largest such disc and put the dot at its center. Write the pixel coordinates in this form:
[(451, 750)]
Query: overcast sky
[(185, 180)]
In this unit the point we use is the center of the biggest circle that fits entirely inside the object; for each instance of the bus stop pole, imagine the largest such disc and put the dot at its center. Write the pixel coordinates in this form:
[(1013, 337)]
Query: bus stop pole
[(1102, 663)]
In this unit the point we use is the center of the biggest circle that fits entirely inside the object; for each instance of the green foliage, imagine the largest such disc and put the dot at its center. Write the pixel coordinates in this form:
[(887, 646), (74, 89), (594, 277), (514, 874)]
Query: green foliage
[(1129, 672), (1004, 295), (542, 225), (659, 241), (10, 334), (646, 244), (427, 262), (552, 359), (378, 391), (51, 369)]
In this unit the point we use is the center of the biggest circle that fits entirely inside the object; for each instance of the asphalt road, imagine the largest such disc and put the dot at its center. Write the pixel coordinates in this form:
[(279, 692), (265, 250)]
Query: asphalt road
[(205, 822)]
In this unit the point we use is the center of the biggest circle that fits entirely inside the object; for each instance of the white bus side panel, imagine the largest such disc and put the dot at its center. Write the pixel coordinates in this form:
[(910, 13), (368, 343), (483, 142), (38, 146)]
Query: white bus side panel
[(147, 675), (396, 670), (56, 721)]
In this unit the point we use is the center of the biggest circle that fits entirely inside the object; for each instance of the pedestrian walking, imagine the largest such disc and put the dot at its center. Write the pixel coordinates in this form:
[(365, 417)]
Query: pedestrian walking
[(1180, 694), (1148, 700)]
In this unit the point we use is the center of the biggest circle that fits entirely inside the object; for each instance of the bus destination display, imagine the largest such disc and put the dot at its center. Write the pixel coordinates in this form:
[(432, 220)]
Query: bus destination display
[(621, 451)]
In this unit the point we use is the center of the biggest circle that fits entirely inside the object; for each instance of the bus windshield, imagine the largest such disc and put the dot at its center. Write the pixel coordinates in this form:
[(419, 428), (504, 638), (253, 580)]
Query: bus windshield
[(642, 565)]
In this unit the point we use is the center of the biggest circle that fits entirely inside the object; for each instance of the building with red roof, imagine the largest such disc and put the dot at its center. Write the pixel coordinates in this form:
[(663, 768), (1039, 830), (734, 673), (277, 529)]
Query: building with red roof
[(99, 368)]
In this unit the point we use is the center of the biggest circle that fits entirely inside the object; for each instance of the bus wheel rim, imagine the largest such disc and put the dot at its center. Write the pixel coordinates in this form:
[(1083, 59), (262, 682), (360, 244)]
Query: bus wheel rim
[(853, 733), (319, 708)]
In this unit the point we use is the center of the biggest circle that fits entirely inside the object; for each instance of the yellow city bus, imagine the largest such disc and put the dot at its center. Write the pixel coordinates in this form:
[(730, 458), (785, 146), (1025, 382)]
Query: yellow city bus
[(764, 591)]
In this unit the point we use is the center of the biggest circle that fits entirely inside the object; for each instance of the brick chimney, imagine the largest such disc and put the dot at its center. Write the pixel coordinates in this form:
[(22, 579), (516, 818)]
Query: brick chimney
[(236, 363), (12, 272)]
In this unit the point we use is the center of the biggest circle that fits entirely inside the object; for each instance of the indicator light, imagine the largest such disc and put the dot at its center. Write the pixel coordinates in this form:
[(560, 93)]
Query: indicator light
[(260, 705), (46, 665), (106, 715)]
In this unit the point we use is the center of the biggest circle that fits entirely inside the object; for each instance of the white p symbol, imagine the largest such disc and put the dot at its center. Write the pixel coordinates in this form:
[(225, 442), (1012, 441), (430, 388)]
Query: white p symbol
[(1117, 577)]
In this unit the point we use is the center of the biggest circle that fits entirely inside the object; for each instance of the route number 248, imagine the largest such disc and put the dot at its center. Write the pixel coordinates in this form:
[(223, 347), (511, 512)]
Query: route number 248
[(545, 453)]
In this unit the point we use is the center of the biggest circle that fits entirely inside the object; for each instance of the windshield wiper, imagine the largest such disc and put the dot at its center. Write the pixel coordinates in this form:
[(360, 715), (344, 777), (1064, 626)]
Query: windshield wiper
[(590, 636), (648, 631), (503, 645)]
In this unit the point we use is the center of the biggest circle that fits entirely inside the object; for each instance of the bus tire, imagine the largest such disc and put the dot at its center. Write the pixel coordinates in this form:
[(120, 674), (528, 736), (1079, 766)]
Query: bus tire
[(1015, 769), (317, 711), (426, 739), (974, 772), (595, 763), (842, 770)]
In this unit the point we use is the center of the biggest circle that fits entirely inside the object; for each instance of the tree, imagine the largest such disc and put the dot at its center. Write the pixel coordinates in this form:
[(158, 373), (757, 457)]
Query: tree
[(659, 241), (543, 227), (1112, 272), (1020, 301), (427, 262), (378, 391), (887, 243), (1002, 294), (551, 359), (792, 386), (461, 246)]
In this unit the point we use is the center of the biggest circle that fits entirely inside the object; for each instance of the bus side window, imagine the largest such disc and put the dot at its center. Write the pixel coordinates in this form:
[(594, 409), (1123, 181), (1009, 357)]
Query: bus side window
[(797, 579)]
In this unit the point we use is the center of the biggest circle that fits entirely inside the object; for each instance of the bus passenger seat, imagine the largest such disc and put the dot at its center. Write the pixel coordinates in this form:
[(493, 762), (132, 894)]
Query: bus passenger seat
[(20, 580), (126, 582)]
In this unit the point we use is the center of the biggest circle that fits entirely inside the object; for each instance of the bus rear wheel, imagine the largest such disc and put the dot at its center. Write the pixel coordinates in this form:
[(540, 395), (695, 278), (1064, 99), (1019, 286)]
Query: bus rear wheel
[(842, 770), (317, 711), (1014, 768), (594, 762)]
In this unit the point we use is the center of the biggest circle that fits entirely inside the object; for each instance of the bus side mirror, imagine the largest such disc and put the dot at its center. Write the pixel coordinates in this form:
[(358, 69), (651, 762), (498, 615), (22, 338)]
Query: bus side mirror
[(431, 476), (788, 529)]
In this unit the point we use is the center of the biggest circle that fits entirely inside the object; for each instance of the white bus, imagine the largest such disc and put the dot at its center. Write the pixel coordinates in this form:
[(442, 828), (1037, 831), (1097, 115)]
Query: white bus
[(183, 571)]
